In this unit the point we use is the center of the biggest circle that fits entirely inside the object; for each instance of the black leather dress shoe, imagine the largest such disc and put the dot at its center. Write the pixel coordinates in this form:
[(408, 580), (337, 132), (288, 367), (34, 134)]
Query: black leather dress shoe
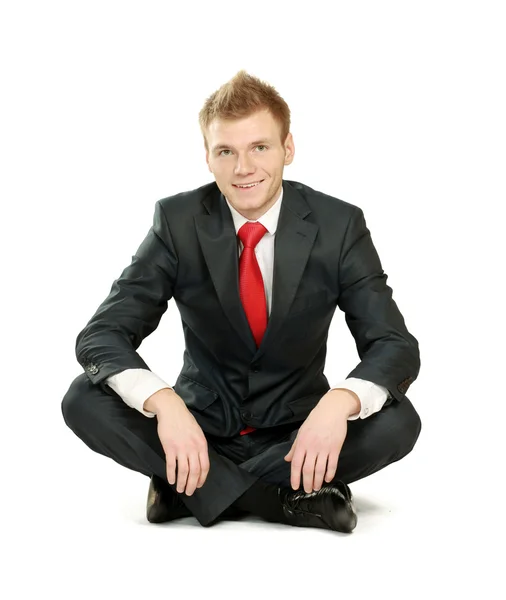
[(331, 507), (163, 504)]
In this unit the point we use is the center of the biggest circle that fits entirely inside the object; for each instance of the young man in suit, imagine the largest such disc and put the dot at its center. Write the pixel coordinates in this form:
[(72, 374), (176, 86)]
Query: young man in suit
[(257, 266)]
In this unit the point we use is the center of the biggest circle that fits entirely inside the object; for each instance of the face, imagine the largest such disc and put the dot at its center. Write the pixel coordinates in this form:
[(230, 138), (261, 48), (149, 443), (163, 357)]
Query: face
[(249, 151)]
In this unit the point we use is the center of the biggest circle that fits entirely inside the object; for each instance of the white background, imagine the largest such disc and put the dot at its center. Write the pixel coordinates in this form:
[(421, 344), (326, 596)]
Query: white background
[(397, 107)]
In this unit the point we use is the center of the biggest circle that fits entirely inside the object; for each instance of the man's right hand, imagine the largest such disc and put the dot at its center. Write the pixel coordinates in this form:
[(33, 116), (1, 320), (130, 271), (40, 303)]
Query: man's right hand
[(182, 439)]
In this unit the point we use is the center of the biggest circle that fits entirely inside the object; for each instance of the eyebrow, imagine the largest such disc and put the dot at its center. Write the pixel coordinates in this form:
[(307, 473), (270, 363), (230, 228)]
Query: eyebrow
[(227, 146)]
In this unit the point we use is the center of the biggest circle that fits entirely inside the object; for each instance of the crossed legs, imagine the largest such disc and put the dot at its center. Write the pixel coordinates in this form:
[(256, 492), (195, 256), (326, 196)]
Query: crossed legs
[(110, 427)]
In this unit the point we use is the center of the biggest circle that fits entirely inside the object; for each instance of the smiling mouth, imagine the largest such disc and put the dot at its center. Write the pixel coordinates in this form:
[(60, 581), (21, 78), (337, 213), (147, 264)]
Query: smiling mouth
[(247, 186)]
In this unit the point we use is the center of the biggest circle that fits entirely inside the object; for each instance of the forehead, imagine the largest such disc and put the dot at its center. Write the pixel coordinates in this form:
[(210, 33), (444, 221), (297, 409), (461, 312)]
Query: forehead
[(258, 126)]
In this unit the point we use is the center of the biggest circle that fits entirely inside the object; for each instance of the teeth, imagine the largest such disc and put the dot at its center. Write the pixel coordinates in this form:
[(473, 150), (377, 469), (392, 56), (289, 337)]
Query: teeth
[(248, 186)]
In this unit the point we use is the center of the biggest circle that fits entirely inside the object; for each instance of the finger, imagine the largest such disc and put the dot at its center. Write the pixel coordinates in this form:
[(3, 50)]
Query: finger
[(194, 473), (297, 462), (320, 468), (308, 472), (171, 468), (289, 456), (331, 467), (182, 472), (204, 467)]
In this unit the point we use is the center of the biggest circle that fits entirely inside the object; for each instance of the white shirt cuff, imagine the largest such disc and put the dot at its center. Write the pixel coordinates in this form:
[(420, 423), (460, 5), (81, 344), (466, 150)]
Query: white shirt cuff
[(371, 395), (135, 386)]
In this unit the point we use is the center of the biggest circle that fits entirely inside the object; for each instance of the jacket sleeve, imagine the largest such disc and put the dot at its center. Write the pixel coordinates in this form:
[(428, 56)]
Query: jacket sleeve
[(138, 298), (389, 354)]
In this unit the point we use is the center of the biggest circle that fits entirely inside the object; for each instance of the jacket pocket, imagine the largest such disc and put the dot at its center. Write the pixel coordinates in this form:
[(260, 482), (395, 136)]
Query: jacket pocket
[(195, 395), (301, 407)]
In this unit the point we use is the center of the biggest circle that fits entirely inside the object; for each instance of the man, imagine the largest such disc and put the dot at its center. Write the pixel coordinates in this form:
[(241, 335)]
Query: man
[(257, 266)]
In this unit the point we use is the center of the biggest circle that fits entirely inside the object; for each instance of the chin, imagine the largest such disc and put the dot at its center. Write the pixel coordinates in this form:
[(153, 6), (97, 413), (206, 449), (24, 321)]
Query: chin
[(252, 204)]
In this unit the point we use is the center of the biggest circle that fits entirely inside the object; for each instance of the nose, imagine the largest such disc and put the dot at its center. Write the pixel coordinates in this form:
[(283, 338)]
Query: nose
[(244, 165)]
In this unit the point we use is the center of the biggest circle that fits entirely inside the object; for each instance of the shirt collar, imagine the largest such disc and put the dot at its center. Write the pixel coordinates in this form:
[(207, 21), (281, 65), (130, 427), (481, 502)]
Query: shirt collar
[(269, 220)]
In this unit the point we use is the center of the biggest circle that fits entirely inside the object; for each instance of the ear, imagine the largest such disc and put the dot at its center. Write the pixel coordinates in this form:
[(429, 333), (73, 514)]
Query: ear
[(289, 149)]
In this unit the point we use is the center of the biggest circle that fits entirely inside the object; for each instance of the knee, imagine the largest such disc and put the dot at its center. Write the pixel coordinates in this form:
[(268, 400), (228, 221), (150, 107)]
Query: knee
[(73, 402), (409, 427)]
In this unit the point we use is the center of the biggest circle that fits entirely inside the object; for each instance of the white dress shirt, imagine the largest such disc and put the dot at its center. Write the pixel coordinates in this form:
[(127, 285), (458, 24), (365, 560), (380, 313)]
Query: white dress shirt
[(135, 386)]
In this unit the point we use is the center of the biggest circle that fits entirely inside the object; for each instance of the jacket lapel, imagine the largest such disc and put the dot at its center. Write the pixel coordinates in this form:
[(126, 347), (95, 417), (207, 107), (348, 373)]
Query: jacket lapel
[(292, 246)]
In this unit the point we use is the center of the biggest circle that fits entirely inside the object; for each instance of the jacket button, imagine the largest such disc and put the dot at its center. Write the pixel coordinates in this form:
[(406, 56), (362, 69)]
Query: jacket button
[(255, 367), (92, 368), (246, 414)]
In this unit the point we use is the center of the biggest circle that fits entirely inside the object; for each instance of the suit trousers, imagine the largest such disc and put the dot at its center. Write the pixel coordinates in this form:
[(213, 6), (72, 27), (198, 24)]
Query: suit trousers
[(110, 427)]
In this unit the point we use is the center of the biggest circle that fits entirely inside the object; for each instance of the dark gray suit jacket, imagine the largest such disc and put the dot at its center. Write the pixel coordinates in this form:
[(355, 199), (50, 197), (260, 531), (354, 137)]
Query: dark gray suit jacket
[(324, 257)]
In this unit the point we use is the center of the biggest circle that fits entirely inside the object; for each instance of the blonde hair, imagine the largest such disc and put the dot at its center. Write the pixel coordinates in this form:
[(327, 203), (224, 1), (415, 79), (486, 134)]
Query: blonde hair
[(242, 96)]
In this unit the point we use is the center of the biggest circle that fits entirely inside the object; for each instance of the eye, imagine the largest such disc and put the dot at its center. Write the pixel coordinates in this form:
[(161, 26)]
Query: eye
[(262, 146), (226, 150)]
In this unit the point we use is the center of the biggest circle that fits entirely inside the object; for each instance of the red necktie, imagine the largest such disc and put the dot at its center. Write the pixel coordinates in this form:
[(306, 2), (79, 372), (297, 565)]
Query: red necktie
[(251, 285)]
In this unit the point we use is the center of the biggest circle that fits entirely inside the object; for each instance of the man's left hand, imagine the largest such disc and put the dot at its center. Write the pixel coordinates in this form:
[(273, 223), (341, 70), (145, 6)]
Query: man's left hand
[(315, 450)]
